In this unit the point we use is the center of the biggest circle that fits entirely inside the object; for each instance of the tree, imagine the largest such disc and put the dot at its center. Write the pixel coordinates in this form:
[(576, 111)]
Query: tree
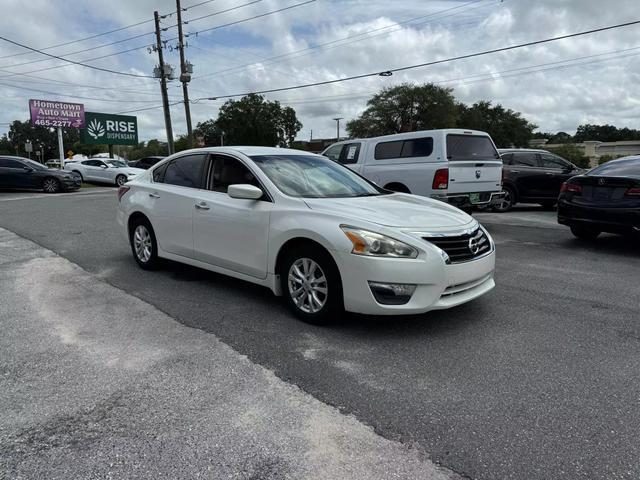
[(605, 133), (572, 153), (210, 131), (252, 120), (506, 127), (406, 108), (20, 132)]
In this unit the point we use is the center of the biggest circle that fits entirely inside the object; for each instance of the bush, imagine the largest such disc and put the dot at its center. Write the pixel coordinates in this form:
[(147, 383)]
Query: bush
[(572, 153), (608, 158)]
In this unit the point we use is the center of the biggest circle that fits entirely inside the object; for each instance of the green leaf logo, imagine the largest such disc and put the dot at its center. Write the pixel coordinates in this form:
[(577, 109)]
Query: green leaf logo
[(95, 129)]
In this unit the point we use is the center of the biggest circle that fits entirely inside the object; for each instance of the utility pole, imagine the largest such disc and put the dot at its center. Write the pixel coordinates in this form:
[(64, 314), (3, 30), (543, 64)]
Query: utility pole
[(338, 128), (163, 85), (185, 76)]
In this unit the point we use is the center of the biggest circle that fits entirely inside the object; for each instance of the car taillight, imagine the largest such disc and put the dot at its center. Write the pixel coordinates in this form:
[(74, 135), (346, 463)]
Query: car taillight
[(570, 187), (633, 192), (121, 191), (441, 179)]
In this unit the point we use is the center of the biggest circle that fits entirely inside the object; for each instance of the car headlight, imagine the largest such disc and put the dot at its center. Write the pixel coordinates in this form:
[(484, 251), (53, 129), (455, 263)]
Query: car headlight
[(377, 245)]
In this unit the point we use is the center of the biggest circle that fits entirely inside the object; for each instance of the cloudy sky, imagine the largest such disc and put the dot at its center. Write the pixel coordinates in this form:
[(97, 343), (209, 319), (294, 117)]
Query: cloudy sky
[(591, 79)]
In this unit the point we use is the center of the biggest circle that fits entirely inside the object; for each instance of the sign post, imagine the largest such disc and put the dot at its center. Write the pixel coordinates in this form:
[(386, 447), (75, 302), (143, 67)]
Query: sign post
[(48, 113)]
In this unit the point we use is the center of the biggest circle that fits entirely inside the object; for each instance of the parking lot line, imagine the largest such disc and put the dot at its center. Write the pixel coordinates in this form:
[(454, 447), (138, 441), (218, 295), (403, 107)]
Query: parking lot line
[(29, 195)]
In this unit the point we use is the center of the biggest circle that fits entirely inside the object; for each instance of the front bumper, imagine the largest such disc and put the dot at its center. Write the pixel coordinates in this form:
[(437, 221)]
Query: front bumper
[(72, 183), (464, 200), (438, 285)]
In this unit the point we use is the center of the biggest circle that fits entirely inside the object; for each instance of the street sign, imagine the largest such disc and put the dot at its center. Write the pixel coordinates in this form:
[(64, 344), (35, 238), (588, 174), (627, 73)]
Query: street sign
[(51, 113), (108, 129), (28, 147)]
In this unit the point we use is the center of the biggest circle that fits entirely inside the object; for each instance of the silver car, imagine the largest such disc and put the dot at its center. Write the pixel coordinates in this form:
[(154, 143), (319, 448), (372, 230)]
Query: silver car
[(103, 170)]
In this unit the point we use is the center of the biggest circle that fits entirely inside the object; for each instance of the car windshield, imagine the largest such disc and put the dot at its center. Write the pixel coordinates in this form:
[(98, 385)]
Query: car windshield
[(310, 176), (33, 164), (115, 163)]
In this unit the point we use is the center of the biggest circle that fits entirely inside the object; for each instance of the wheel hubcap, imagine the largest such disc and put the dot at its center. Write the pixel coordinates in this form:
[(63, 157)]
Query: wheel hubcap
[(50, 185), (506, 200), (142, 243), (307, 285), (121, 180)]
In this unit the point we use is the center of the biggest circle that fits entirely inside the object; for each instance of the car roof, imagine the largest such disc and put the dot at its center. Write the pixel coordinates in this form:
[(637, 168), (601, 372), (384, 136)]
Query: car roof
[(416, 134), (532, 150), (13, 157), (250, 151)]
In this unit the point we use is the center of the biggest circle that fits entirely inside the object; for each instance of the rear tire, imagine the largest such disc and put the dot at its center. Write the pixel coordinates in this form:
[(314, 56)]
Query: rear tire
[(311, 285), (143, 244), (50, 185), (585, 233), (507, 202)]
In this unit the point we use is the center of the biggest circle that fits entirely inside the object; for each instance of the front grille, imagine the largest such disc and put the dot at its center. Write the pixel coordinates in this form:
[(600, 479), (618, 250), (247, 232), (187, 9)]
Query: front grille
[(462, 248)]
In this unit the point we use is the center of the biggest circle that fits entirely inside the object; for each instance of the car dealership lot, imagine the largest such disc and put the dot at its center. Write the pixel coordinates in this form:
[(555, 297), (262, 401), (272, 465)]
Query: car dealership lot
[(536, 380)]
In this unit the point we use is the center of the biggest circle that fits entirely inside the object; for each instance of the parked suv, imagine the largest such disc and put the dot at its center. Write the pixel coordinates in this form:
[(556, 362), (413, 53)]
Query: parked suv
[(533, 176), (461, 167)]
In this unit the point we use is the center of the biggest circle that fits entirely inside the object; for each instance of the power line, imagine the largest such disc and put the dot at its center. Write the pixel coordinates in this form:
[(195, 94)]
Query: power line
[(366, 34), (73, 61), (223, 11), (71, 42), (434, 62), (148, 108)]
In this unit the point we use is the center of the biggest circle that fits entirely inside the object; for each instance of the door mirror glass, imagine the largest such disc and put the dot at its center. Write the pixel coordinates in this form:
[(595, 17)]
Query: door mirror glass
[(244, 191)]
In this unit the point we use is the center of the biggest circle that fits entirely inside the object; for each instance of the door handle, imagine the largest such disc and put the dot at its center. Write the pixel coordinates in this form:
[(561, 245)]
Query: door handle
[(202, 206), (154, 195), (550, 173), (515, 171)]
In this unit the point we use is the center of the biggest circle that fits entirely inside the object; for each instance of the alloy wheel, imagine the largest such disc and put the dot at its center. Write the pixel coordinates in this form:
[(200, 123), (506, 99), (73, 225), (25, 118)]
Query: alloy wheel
[(121, 180), (142, 243), (506, 202), (50, 185), (307, 285)]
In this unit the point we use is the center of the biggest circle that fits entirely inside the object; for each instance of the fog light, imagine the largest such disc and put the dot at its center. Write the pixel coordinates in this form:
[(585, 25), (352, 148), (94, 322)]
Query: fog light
[(392, 293)]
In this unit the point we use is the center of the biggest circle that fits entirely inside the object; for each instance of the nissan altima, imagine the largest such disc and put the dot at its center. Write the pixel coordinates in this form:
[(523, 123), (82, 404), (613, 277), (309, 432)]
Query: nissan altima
[(309, 229)]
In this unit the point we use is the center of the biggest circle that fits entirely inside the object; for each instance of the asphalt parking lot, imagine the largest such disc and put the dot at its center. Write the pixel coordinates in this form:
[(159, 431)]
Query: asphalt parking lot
[(536, 380)]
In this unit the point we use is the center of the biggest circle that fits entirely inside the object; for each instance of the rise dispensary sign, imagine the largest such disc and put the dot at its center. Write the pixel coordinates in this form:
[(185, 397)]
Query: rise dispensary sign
[(107, 129), (51, 113)]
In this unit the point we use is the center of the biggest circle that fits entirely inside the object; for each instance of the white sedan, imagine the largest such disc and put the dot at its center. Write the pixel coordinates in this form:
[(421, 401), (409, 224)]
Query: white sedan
[(103, 170), (309, 229)]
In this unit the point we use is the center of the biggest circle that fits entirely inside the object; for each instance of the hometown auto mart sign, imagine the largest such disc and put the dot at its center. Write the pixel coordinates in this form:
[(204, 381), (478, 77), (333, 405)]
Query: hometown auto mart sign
[(49, 113), (107, 129)]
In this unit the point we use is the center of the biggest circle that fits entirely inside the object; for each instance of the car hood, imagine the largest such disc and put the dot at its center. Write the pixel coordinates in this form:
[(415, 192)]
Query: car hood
[(396, 210)]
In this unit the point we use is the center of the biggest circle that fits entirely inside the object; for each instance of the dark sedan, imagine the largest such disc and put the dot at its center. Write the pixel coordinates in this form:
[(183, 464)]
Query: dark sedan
[(605, 199), (22, 173), (532, 176), (145, 163)]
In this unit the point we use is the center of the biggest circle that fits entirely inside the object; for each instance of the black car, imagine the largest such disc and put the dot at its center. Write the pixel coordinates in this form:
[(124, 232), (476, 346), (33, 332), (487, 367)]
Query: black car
[(605, 199), (145, 163), (533, 176), (22, 173)]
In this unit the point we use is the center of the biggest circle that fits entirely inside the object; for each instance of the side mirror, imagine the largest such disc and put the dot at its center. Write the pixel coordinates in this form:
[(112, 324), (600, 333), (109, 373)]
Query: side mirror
[(28, 169), (104, 166), (568, 168), (244, 191)]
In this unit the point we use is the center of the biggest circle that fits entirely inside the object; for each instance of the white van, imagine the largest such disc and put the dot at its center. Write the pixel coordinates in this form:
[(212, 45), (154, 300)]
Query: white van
[(461, 167)]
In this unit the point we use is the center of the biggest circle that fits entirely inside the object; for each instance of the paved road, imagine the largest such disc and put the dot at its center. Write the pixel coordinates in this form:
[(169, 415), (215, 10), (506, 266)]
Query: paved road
[(536, 380), (95, 383)]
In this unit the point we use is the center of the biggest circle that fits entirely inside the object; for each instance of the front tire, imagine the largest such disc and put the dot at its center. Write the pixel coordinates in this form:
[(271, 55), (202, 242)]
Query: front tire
[(143, 244), (50, 185), (507, 202), (121, 180), (311, 285), (584, 233)]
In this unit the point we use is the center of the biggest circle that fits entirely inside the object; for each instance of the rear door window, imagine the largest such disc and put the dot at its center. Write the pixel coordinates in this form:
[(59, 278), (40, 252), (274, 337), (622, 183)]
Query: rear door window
[(410, 148), (10, 163), (350, 153), (185, 171), (470, 147), (526, 159)]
